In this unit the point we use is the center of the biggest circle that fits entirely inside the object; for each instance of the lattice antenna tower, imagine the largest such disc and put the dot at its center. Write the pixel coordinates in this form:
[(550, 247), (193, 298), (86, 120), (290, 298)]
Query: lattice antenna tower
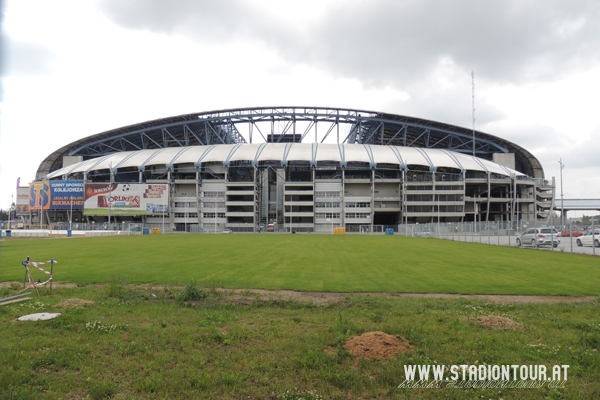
[(473, 98)]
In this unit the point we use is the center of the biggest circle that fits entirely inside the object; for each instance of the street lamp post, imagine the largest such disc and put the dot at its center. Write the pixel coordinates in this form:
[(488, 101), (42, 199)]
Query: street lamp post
[(438, 212), (10, 210), (562, 209), (164, 208), (109, 191)]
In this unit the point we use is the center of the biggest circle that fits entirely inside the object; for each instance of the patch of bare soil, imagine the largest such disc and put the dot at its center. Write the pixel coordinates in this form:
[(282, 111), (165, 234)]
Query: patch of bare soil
[(494, 322), (9, 284), (69, 303), (323, 299), (377, 345), (55, 285), (244, 296)]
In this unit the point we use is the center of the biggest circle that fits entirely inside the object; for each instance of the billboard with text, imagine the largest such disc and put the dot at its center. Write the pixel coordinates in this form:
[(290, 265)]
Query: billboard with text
[(56, 195), (126, 199)]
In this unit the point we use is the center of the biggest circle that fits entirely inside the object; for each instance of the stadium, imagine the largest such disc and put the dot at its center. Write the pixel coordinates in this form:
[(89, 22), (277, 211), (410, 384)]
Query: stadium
[(290, 169)]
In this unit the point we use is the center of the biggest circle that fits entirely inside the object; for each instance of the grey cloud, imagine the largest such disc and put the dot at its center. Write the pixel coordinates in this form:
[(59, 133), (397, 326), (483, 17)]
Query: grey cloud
[(205, 21), (25, 58), (395, 43), (450, 106)]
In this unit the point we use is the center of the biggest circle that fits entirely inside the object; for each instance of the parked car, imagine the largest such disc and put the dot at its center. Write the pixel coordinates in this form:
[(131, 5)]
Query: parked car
[(568, 233), (271, 228), (588, 239), (227, 231), (538, 237)]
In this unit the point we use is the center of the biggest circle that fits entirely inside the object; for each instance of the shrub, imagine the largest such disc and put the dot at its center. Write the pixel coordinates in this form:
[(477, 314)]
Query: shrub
[(191, 293)]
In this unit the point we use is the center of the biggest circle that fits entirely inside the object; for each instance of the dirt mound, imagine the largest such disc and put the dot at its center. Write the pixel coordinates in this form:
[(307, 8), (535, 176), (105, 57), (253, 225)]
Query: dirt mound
[(377, 345), (494, 322), (68, 303)]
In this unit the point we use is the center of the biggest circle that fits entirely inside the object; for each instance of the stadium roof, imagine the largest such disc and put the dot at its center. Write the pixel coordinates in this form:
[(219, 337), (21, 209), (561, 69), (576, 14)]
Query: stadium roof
[(296, 124), (283, 153)]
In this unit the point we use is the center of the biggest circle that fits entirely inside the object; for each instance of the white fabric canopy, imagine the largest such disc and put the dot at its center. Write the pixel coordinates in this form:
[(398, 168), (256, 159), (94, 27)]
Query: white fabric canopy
[(290, 152)]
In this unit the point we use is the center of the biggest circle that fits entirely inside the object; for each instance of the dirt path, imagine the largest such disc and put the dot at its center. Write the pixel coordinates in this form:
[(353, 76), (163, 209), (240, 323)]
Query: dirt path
[(326, 298)]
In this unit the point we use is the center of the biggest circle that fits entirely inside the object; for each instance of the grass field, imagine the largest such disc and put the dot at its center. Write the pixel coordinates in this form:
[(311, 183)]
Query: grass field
[(155, 343), (309, 263), (129, 344)]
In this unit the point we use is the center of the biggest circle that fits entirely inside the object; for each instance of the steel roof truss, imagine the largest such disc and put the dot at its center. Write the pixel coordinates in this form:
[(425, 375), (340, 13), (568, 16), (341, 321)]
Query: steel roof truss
[(380, 126), (165, 140), (351, 137), (144, 134), (191, 132), (209, 125), (426, 131), (403, 127), (308, 128), (333, 125), (259, 131)]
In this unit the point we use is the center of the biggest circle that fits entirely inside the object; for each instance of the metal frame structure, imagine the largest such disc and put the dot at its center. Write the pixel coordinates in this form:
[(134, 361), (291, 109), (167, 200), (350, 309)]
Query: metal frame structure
[(292, 124)]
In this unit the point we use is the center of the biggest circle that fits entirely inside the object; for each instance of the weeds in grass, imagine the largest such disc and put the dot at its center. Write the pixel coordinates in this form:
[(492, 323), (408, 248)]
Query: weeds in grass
[(221, 350), (38, 306), (216, 319), (15, 393), (200, 381), (103, 390), (299, 395), (132, 348), (98, 326), (191, 292), (340, 337)]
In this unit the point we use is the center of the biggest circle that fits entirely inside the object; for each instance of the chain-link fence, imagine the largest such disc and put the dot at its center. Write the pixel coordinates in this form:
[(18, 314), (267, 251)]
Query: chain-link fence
[(501, 233), (496, 233)]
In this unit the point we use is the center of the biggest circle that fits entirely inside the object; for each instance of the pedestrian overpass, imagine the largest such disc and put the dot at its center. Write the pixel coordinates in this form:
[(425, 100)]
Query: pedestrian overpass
[(566, 205)]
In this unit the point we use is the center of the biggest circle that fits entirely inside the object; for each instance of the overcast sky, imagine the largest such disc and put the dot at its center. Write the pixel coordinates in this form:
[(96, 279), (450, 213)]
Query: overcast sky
[(73, 68)]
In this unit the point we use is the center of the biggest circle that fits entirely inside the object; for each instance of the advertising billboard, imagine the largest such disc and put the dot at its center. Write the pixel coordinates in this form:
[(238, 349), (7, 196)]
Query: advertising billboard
[(56, 195), (126, 199), (22, 206)]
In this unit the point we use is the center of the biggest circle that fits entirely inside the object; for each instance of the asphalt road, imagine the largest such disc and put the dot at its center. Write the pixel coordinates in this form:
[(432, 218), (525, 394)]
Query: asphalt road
[(564, 246)]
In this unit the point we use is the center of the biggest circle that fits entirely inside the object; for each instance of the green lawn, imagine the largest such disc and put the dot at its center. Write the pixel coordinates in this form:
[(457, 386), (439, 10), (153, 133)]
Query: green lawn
[(309, 262), (144, 344)]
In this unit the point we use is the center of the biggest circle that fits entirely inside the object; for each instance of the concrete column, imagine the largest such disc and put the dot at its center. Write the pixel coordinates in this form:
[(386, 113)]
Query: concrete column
[(170, 188), (343, 214), (254, 207), (489, 189), (372, 199), (199, 196)]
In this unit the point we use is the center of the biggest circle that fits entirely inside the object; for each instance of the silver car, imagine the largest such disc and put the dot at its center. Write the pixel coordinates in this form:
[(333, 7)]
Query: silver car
[(538, 237), (588, 239)]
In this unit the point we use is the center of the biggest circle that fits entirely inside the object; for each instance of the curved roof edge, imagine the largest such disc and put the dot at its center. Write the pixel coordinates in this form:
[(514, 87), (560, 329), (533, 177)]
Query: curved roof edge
[(54, 161), (312, 153)]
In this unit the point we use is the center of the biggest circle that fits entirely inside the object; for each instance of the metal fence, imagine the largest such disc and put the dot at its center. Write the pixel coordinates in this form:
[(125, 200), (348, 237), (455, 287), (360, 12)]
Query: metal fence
[(491, 233)]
